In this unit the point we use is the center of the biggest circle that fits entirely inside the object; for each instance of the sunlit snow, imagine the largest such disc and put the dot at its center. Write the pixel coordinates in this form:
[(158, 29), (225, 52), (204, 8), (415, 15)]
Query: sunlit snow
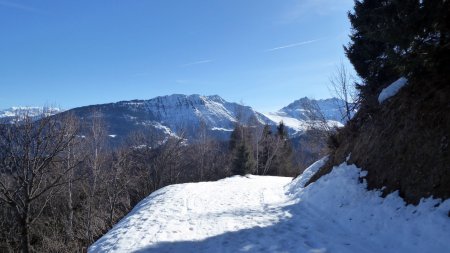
[(273, 214)]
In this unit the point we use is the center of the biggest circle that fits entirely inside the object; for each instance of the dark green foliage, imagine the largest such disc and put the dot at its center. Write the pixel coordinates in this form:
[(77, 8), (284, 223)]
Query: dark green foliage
[(265, 148), (393, 38), (281, 130), (243, 162), (284, 158), (236, 137)]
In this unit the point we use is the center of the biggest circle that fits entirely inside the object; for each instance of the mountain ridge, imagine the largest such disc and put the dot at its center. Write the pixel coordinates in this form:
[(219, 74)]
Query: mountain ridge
[(178, 113)]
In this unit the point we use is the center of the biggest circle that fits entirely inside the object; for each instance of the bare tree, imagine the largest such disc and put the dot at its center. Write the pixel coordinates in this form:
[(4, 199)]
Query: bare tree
[(255, 136), (73, 158), (117, 184), (31, 166), (342, 87), (95, 146), (274, 144)]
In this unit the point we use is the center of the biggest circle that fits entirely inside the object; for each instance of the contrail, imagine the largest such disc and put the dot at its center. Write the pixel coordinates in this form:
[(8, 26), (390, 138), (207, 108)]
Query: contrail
[(196, 63), (293, 45)]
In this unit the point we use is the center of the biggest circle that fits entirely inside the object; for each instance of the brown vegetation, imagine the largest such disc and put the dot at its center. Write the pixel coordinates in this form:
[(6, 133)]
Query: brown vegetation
[(403, 143)]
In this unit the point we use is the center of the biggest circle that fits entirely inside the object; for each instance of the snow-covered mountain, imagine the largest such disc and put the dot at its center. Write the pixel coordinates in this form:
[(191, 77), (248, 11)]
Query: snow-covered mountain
[(182, 112), (190, 114), (299, 114), (300, 109), (173, 115)]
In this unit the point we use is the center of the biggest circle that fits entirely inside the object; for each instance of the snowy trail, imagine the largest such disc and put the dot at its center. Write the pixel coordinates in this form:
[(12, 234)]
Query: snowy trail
[(273, 214), (193, 212)]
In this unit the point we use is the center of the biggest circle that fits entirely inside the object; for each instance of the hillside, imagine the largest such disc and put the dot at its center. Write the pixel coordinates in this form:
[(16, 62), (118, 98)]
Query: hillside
[(400, 135), (402, 143), (272, 214)]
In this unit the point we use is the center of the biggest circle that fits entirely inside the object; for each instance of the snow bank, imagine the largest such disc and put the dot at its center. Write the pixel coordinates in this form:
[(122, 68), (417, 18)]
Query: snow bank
[(357, 218), (300, 181), (392, 89)]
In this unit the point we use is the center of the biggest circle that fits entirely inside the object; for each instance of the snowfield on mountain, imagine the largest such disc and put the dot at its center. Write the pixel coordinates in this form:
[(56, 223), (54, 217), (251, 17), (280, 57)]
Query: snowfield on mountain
[(276, 214)]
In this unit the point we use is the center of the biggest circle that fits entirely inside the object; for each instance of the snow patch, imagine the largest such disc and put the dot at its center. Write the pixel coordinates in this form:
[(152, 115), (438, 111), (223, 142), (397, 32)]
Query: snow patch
[(392, 89), (299, 125), (165, 129), (293, 123), (221, 129)]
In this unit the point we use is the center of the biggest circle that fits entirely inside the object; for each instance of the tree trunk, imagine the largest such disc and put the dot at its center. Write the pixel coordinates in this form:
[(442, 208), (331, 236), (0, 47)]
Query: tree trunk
[(70, 207), (25, 246), (70, 202)]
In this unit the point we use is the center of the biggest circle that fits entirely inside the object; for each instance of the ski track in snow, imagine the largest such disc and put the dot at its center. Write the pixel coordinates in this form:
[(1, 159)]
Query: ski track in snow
[(273, 214)]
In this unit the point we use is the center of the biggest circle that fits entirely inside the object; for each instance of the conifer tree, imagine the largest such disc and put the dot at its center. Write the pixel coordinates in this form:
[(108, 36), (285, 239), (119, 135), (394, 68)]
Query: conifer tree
[(265, 148), (283, 160), (243, 160), (393, 38)]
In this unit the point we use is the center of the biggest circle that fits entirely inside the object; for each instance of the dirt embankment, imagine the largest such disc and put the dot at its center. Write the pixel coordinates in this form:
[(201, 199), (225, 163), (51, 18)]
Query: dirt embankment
[(404, 143)]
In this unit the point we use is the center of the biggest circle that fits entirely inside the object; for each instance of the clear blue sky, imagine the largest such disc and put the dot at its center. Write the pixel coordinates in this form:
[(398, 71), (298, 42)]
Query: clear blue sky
[(264, 53)]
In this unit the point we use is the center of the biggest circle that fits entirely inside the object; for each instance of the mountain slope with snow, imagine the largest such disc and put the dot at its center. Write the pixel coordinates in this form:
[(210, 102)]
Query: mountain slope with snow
[(272, 214), (173, 115), (189, 114), (299, 114)]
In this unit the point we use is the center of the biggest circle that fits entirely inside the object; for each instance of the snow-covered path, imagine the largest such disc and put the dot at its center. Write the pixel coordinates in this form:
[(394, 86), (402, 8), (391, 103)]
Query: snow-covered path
[(175, 218), (273, 214)]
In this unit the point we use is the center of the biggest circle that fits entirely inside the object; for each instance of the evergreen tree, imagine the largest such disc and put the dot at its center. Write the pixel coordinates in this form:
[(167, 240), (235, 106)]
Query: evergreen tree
[(283, 162), (281, 130), (265, 147), (367, 51), (243, 162), (393, 38), (235, 138)]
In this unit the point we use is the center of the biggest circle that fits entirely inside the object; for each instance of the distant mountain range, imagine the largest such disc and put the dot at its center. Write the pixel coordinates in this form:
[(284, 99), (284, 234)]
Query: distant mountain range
[(174, 114), (22, 111)]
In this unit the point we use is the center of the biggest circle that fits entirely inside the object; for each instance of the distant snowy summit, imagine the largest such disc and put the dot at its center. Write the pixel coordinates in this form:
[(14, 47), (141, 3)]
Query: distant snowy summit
[(28, 111), (299, 114), (178, 114)]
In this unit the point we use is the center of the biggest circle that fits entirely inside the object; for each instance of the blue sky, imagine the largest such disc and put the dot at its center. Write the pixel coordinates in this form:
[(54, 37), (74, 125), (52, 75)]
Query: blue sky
[(264, 53)]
